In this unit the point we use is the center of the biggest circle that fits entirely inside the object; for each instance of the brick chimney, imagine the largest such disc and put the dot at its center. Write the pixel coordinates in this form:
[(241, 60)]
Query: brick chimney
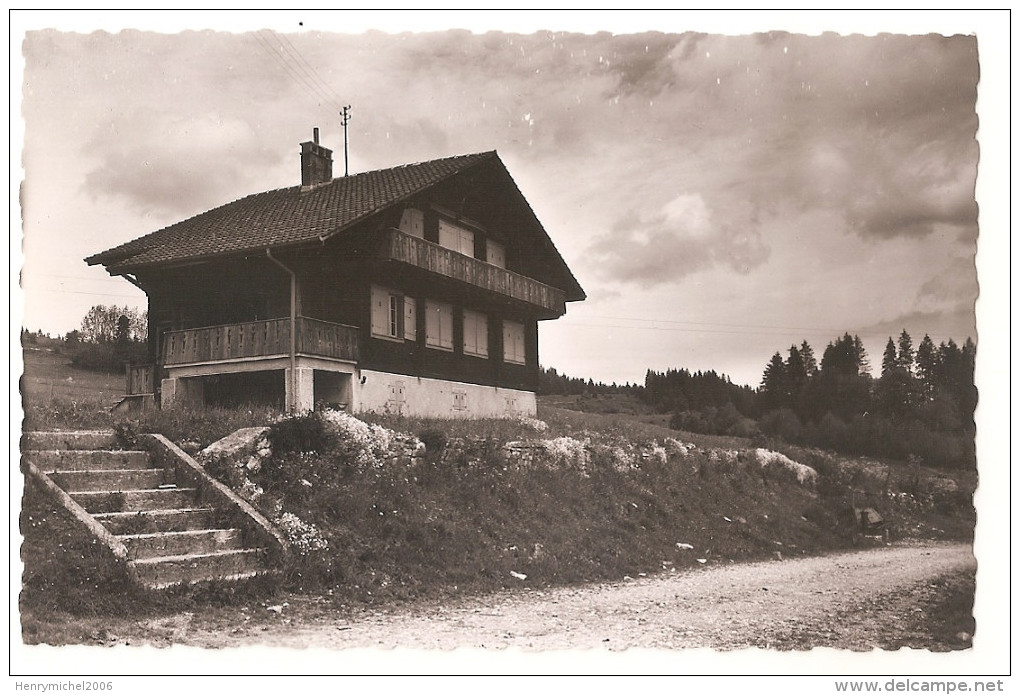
[(316, 163)]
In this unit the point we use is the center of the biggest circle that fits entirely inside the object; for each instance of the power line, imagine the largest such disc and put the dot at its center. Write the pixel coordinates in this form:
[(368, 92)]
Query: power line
[(310, 70), (715, 323), (295, 70), (87, 294), (82, 278), (753, 330)]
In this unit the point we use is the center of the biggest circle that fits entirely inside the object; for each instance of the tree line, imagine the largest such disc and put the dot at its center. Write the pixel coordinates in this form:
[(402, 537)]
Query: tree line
[(109, 338), (920, 408)]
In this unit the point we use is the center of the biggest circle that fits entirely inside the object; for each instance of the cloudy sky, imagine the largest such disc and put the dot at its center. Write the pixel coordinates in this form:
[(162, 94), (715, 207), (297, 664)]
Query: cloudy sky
[(719, 195)]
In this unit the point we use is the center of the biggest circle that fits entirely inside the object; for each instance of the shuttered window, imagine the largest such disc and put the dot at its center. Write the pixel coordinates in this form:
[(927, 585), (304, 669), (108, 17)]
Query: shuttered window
[(456, 238), (438, 325), (476, 333), (410, 319), (412, 222), (495, 253), (513, 342), (393, 315)]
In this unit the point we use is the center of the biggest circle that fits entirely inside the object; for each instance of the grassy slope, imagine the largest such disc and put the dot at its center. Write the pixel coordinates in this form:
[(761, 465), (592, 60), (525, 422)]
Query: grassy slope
[(405, 532)]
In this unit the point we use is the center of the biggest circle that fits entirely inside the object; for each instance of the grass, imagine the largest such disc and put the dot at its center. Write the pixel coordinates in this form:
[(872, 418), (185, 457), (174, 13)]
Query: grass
[(422, 529), (438, 527), (56, 395)]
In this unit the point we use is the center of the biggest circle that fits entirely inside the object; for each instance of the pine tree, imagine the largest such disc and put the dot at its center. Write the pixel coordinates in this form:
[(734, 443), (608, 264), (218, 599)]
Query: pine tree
[(773, 384), (796, 374), (808, 356), (927, 361), (890, 360), (861, 356), (905, 357)]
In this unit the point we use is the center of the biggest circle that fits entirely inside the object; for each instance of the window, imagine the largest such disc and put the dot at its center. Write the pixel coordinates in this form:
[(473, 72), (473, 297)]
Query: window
[(393, 315), (476, 333), (412, 222), (513, 342), (456, 238), (495, 253), (438, 325)]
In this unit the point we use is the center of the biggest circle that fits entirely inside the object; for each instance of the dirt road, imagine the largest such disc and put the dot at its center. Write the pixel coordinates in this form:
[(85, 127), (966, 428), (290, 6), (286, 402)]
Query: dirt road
[(856, 600)]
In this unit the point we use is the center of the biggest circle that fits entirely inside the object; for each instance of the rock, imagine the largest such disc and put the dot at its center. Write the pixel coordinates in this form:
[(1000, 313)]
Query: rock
[(243, 442)]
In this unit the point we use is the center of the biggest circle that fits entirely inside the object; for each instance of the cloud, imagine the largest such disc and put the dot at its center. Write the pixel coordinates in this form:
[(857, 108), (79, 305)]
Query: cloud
[(177, 166), (681, 238)]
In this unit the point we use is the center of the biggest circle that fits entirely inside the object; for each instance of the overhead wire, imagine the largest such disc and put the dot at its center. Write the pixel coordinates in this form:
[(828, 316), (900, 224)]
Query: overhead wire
[(308, 69), (306, 77)]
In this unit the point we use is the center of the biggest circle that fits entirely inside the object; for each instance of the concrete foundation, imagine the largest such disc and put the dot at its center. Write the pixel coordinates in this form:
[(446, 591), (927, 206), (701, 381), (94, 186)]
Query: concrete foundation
[(182, 393), (299, 389), (396, 394)]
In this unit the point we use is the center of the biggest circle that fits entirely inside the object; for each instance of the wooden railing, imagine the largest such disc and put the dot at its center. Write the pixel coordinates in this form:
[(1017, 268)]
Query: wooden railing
[(405, 248), (326, 339), (260, 339), (141, 378)]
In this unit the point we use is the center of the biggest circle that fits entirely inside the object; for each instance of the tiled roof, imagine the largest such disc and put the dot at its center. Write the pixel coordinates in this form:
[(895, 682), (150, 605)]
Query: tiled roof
[(284, 216)]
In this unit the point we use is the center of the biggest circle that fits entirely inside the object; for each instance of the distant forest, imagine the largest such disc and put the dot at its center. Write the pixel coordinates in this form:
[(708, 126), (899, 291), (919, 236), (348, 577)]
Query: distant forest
[(921, 407)]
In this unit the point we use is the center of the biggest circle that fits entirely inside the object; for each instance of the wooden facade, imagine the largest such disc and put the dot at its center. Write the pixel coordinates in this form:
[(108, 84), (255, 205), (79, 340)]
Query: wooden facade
[(234, 313)]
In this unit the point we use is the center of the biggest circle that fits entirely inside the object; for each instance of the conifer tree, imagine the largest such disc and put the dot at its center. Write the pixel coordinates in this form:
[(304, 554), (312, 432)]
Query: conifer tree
[(890, 360), (905, 356)]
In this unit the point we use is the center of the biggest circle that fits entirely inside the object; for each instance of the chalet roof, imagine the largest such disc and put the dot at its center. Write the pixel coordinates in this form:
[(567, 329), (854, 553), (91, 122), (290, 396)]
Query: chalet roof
[(284, 216)]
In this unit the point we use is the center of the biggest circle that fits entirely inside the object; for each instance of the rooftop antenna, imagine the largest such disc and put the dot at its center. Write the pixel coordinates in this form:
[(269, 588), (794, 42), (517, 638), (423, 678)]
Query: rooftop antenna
[(345, 118)]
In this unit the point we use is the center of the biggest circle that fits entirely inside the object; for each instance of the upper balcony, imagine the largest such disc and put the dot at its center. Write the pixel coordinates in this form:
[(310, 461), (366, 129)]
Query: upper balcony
[(404, 248)]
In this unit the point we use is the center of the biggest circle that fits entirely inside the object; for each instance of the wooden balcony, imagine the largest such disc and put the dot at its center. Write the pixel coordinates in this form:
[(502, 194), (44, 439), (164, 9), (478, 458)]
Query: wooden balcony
[(257, 339), (404, 248)]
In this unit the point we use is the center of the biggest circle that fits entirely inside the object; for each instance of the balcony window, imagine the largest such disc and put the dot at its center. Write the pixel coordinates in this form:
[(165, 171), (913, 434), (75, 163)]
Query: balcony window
[(513, 342), (476, 333), (495, 253), (456, 238), (412, 221), (438, 325)]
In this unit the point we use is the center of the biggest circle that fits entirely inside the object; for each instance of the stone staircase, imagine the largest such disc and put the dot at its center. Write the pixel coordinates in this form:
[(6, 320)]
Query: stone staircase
[(164, 517)]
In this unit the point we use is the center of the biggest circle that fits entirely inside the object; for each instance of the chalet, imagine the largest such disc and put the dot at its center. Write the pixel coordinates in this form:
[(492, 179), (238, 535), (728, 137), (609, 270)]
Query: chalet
[(414, 290)]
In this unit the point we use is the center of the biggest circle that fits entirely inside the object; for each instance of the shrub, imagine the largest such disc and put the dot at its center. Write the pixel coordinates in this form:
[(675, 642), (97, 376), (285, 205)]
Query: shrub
[(301, 433), (782, 423), (435, 441)]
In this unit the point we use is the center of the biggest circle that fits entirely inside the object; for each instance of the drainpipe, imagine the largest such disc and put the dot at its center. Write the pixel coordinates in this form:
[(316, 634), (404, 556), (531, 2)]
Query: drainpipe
[(293, 328)]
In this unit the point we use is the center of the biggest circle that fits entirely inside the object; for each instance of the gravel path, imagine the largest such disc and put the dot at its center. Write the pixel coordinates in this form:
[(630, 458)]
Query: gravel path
[(854, 600)]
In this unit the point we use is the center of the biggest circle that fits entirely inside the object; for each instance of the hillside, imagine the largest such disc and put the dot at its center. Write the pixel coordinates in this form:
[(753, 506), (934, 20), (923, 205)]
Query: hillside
[(389, 509)]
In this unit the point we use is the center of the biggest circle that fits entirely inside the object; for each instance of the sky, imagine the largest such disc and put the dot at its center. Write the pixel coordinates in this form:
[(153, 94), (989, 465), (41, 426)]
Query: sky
[(720, 191)]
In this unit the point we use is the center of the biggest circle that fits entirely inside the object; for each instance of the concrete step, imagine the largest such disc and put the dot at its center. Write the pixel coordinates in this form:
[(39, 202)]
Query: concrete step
[(196, 542), (159, 520), (82, 481), (68, 440), (97, 502), (161, 572), (87, 460)]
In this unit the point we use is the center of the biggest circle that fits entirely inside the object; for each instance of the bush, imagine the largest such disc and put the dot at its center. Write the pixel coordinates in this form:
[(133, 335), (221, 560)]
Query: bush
[(434, 440), (303, 433), (782, 423)]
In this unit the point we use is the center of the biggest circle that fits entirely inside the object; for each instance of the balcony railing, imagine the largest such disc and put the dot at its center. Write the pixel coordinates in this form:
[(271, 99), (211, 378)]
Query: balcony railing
[(260, 339), (434, 258)]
